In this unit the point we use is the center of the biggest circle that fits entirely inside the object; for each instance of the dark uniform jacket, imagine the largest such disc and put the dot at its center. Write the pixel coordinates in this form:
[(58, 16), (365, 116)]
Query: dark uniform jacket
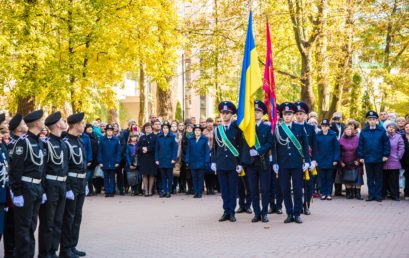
[(77, 163), (326, 149), (22, 161), (166, 150), (288, 156), (221, 155), (109, 152), (198, 153), (373, 144)]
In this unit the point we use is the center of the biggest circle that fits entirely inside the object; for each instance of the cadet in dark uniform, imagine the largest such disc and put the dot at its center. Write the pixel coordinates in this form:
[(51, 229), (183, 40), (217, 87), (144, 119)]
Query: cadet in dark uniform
[(226, 159), (257, 165), (76, 191), (300, 118), (373, 150), (51, 213), (166, 151), (109, 159), (25, 181), (198, 159), (17, 128), (291, 145), (326, 153)]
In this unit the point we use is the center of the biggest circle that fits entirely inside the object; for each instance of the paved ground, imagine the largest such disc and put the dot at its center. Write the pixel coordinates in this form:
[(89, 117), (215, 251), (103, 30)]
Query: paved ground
[(127, 226)]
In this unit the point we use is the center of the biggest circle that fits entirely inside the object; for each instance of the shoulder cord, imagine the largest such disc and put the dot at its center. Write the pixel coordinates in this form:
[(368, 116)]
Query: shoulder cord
[(280, 140), (219, 142), (52, 153), (33, 156), (73, 155)]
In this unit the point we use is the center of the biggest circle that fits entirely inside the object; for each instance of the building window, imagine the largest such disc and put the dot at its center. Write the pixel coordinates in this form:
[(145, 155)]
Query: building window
[(203, 106)]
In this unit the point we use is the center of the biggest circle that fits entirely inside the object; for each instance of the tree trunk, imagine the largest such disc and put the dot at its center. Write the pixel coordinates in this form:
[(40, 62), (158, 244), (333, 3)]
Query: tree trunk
[(324, 89), (345, 63), (113, 116), (307, 93), (165, 102), (25, 105), (142, 95)]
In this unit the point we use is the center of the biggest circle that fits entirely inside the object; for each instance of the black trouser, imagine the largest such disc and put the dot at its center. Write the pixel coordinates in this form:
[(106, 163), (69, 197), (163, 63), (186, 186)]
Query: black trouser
[(9, 231), (98, 183), (120, 179), (158, 180), (26, 219), (259, 180), (182, 178), (51, 218), (390, 183), (72, 216), (406, 168), (210, 180)]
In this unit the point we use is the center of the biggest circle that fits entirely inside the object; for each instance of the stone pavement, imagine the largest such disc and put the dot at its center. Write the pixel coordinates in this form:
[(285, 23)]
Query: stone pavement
[(181, 226)]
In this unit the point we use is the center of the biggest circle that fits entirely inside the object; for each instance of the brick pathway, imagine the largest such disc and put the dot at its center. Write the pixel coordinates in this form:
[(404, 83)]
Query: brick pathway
[(181, 226)]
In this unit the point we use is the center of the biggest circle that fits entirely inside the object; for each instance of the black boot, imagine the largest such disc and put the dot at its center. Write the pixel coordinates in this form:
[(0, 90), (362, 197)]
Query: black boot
[(349, 193), (353, 192), (358, 194)]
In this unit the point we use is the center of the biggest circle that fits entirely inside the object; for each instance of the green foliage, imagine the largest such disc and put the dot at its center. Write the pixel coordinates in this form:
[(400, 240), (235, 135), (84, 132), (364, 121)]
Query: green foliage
[(75, 52)]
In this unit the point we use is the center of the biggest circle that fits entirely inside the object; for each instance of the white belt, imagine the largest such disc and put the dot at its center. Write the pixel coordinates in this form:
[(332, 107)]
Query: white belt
[(30, 180), (56, 178), (77, 175)]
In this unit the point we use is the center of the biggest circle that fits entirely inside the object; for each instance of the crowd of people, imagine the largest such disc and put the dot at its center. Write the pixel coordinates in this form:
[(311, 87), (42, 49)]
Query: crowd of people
[(48, 168)]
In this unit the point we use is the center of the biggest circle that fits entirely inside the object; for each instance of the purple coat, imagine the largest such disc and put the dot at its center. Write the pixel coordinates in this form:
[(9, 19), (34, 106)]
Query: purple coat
[(397, 150), (349, 150)]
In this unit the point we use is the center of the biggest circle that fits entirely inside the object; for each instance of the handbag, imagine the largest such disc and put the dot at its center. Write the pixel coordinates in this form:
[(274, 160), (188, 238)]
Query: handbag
[(98, 172), (135, 160), (176, 169), (350, 175)]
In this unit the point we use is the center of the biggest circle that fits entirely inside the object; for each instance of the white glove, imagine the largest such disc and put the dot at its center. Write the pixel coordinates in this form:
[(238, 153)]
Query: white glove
[(239, 168), (86, 190), (43, 198), (18, 201), (69, 195), (253, 152), (276, 168), (6, 209), (305, 166), (313, 165), (213, 167)]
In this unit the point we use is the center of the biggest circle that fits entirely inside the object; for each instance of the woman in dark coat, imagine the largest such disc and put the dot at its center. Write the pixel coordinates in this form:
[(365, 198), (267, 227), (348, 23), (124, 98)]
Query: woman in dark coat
[(326, 153), (146, 153), (166, 150), (349, 160), (198, 159)]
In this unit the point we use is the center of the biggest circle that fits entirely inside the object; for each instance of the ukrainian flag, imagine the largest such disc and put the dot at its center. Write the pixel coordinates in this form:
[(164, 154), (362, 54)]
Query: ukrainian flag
[(249, 84)]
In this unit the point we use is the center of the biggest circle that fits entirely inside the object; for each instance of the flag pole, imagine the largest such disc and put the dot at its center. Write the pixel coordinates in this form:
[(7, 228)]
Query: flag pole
[(251, 5)]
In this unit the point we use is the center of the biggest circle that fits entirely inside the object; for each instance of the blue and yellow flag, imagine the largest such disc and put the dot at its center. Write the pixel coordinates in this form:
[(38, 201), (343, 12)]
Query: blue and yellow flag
[(249, 84)]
